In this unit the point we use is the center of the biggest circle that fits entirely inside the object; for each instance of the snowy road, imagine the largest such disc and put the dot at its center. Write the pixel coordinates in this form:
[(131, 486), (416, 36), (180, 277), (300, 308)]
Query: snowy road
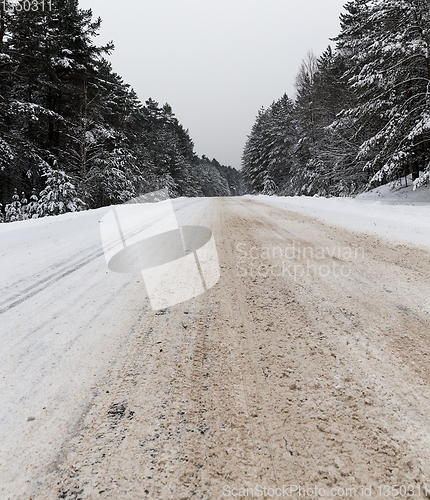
[(306, 365), (64, 321)]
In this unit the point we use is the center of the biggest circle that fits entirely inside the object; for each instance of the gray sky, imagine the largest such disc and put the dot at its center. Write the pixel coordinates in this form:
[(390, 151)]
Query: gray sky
[(216, 62)]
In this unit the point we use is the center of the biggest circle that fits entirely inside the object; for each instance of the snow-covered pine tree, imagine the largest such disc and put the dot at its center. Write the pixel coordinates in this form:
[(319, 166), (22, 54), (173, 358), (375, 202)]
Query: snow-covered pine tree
[(117, 178), (33, 206), (100, 131), (60, 194), (255, 161), (269, 187), (423, 179), (24, 207), (323, 152), (167, 182), (19, 113), (267, 158), (283, 134), (388, 43), (13, 210)]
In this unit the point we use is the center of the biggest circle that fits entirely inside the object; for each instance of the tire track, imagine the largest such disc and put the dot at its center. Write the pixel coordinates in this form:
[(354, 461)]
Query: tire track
[(44, 283), (66, 267)]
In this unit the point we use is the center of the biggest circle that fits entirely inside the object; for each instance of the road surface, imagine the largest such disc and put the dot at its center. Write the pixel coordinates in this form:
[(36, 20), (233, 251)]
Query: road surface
[(306, 366)]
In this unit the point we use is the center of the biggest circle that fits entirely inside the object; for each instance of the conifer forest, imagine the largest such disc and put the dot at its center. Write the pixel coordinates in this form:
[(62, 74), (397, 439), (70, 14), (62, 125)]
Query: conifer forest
[(73, 134), (361, 113)]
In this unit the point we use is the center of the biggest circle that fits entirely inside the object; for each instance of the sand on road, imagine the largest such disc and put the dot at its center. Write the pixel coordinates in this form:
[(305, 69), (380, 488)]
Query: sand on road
[(306, 365)]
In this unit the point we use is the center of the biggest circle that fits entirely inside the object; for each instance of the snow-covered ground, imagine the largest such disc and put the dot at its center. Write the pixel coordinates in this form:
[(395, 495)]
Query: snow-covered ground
[(399, 213), (64, 317), (399, 192)]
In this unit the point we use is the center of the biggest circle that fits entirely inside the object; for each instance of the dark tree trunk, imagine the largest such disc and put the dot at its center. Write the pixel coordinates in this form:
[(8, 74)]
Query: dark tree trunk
[(415, 167)]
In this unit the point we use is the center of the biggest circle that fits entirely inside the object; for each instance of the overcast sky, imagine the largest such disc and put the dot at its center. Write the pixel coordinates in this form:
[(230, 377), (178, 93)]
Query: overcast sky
[(216, 62)]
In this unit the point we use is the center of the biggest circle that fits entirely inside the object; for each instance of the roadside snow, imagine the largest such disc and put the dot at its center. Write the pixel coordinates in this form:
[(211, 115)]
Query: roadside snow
[(398, 193), (401, 214)]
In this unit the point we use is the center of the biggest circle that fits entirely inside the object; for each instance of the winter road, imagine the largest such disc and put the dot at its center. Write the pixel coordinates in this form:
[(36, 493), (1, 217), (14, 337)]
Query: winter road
[(307, 364)]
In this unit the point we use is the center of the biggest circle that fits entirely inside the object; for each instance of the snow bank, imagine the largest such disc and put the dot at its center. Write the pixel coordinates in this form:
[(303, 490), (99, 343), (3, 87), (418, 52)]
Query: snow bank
[(398, 193), (401, 214)]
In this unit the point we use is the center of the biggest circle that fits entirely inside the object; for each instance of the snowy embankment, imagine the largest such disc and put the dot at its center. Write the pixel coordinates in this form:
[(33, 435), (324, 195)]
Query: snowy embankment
[(402, 214)]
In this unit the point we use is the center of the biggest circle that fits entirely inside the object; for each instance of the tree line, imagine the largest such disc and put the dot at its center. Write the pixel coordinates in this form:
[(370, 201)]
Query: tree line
[(73, 135), (361, 114)]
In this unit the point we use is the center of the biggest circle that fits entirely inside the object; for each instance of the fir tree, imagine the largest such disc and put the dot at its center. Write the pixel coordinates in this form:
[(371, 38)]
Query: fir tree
[(268, 158), (388, 43), (255, 165), (24, 207), (33, 206), (60, 195), (13, 209), (324, 152)]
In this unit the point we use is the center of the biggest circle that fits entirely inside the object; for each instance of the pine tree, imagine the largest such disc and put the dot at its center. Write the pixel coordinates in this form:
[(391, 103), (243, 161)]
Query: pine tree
[(255, 164), (24, 207), (283, 136), (269, 187), (13, 209), (325, 152), (60, 195), (388, 43), (33, 206), (117, 178), (268, 158)]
